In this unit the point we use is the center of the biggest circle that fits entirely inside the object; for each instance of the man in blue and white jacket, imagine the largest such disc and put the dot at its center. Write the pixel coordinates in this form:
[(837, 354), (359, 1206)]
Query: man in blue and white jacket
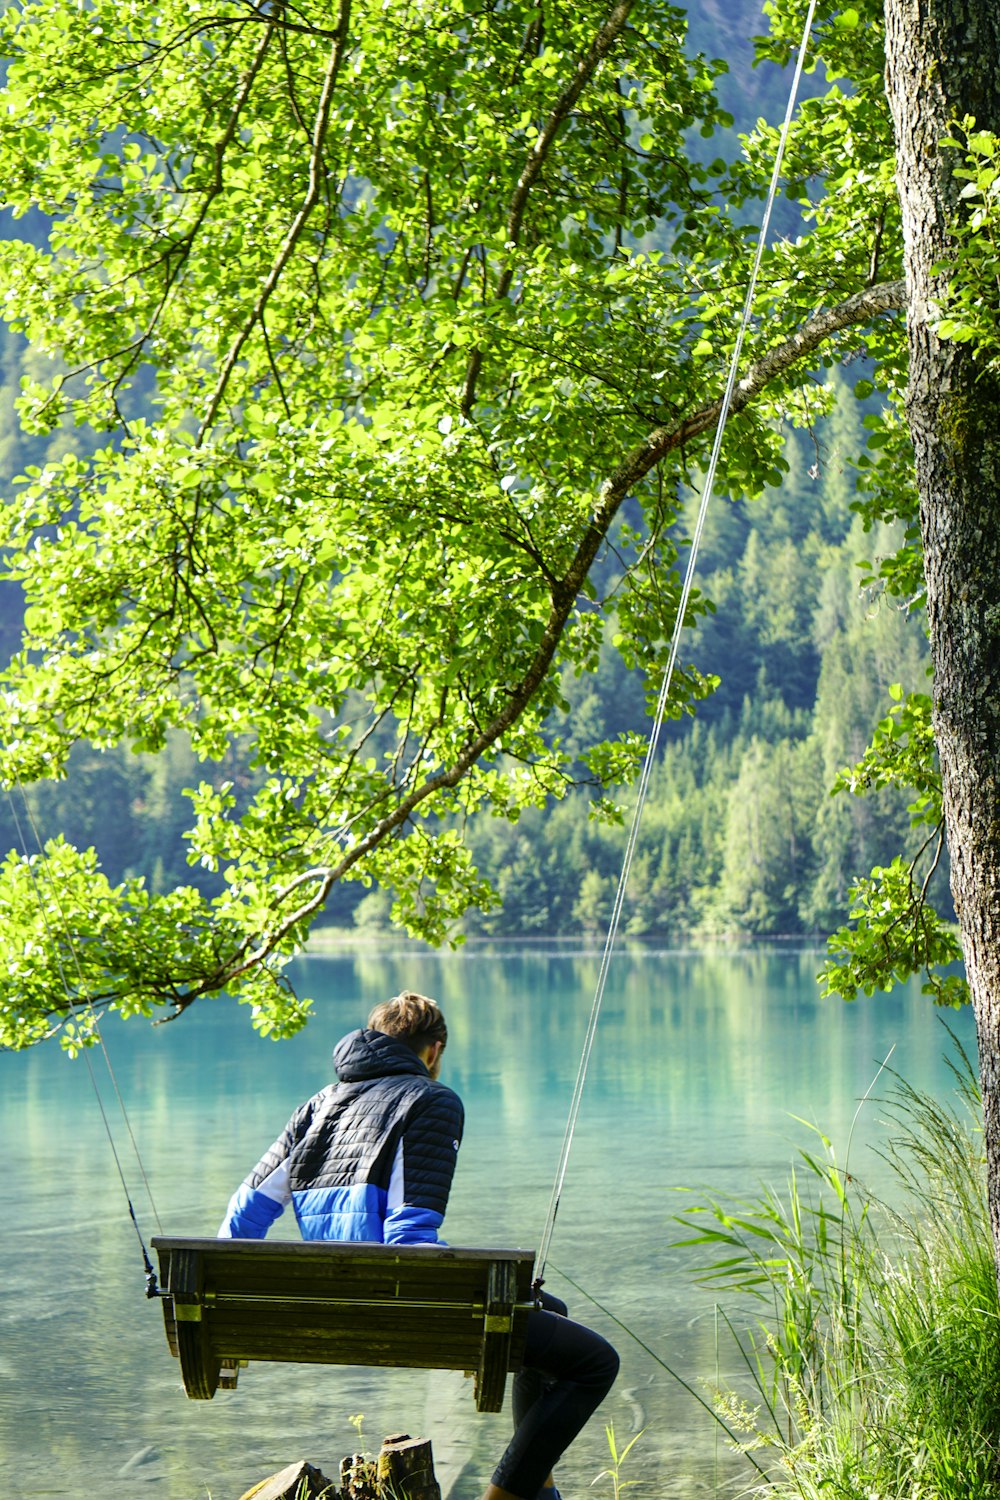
[(372, 1156)]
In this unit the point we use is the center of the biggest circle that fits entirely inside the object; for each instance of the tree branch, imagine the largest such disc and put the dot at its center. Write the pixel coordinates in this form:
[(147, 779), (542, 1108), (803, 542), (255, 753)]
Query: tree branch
[(861, 308), (309, 202), (888, 296), (585, 69)]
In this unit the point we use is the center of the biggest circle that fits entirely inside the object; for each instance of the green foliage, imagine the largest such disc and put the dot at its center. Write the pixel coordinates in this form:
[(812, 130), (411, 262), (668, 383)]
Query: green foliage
[(618, 1459), (700, 868), (968, 312), (873, 1369), (887, 492), (895, 932), (323, 235), (739, 834), (143, 947), (393, 339)]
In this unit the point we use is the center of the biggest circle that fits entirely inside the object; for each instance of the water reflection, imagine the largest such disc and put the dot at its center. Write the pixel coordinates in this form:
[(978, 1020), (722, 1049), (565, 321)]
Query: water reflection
[(702, 1060)]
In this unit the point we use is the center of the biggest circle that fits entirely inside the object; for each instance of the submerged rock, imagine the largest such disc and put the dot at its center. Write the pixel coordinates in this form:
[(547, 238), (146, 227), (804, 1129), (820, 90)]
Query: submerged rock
[(144, 1456)]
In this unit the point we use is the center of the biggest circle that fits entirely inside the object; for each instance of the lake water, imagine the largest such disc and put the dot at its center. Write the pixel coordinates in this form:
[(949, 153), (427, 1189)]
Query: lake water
[(702, 1064)]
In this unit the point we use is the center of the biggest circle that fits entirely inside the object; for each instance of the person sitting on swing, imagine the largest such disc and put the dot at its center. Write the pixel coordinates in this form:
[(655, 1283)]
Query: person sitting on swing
[(372, 1157)]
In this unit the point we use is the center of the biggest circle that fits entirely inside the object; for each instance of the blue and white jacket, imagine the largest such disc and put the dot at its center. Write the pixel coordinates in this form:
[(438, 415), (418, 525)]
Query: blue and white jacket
[(370, 1157)]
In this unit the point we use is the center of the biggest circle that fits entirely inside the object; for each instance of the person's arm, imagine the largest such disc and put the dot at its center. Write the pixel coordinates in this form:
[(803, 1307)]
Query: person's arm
[(265, 1193), (422, 1171)]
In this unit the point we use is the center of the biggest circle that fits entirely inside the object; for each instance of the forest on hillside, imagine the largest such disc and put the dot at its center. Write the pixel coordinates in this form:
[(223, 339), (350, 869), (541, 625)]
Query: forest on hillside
[(741, 834)]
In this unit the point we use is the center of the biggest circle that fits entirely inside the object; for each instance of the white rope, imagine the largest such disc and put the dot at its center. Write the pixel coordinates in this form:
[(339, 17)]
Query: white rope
[(664, 697)]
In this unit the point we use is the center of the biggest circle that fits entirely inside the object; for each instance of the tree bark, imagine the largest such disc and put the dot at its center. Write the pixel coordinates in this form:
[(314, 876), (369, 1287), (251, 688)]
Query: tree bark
[(943, 63)]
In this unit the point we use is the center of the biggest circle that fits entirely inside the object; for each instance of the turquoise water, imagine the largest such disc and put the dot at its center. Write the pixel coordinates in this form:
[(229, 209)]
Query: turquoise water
[(702, 1064)]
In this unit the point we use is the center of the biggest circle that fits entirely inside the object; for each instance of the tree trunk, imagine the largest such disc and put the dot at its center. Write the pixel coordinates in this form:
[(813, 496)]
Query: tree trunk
[(943, 63)]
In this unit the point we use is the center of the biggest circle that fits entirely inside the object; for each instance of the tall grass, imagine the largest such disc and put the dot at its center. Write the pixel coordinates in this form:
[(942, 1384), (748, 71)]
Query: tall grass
[(872, 1368)]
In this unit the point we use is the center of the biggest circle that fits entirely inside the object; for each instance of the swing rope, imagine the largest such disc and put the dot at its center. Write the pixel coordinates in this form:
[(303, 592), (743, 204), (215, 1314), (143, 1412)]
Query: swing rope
[(664, 696), (88, 1009)]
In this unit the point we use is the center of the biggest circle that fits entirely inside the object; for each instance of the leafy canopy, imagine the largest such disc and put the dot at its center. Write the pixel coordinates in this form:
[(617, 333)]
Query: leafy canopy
[(398, 327)]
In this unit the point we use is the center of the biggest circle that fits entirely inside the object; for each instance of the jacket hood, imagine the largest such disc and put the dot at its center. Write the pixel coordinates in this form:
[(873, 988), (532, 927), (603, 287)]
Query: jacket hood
[(367, 1054)]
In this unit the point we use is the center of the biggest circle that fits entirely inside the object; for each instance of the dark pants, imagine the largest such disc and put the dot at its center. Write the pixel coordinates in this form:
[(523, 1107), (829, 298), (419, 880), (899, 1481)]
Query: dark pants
[(566, 1374)]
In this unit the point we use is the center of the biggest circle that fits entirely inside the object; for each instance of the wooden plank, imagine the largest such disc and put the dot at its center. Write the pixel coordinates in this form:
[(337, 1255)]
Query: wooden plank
[(344, 1273), (355, 1251), (440, 1289), (247, 1342), (199, 1365), (387, 1270), (444, 1292), (319, 1352), (363, 1359), (335, 1248), (234, 1339), (309, 1312), (230, 1339), (491, 1370), (456, 1322)]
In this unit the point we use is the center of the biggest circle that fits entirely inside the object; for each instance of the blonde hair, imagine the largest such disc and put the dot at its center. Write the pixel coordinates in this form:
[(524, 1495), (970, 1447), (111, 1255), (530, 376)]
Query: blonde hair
[(411, 1018)]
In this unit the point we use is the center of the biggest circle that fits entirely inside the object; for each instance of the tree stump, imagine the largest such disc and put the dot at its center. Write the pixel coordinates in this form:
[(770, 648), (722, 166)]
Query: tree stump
[(358, 1480), (405, 1469), (299, 1481)]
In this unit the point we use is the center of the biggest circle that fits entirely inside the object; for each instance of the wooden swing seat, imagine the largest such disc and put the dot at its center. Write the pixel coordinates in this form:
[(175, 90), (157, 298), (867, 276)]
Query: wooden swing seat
[(435, 1307)]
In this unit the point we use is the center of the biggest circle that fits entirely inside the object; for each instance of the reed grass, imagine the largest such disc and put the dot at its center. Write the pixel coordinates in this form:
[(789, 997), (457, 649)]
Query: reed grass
[(871, 1365)]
